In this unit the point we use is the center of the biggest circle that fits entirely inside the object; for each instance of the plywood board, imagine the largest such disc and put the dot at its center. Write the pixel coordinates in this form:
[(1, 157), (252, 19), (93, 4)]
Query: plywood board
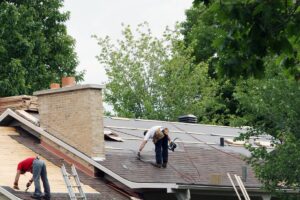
[(12, 152)]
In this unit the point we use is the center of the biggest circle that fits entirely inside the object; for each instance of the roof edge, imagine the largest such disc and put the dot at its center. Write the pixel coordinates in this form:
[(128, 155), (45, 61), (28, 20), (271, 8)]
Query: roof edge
[(175, 122), (69, 89), (251, 189), (8, 194)]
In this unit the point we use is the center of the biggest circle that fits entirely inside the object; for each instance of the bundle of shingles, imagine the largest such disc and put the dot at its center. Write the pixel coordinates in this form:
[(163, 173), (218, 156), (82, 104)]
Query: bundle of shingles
[(23, 102)]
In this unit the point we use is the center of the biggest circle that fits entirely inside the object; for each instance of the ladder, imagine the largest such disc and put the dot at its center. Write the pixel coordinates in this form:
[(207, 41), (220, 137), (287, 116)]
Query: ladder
[(241, 185), (67, 178)]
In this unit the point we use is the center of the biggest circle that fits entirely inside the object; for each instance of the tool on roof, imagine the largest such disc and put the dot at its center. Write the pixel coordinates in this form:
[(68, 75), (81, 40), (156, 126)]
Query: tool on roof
[(172, 145), (67, 178), (28, 185)]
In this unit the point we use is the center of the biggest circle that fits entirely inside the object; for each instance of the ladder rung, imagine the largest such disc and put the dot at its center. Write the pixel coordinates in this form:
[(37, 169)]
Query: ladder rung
[(67, 177)]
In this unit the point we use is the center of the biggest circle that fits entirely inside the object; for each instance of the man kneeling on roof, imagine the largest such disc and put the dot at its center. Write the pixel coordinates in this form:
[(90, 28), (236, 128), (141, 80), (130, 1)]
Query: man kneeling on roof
[(160, 138), (38, 169)]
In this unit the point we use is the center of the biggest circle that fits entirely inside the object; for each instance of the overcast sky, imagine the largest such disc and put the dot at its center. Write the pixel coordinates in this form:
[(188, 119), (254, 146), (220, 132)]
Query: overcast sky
[(104, 17)]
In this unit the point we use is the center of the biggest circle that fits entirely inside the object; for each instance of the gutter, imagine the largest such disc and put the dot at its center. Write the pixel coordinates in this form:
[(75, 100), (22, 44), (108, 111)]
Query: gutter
[(257, 190), (130, 184), (213, 188), (8, 194)]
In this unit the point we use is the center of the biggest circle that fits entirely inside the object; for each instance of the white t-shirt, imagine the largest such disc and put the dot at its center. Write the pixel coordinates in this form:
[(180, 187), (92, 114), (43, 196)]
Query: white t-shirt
[(150, 133)]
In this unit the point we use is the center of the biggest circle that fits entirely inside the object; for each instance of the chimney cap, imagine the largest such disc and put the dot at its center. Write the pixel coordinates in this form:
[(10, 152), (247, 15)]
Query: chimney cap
[(68, 89)]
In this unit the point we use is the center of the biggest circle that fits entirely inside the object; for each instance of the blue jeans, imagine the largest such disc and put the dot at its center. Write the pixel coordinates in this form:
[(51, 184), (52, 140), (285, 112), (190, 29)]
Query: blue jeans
[(39, 171), (161, 150)]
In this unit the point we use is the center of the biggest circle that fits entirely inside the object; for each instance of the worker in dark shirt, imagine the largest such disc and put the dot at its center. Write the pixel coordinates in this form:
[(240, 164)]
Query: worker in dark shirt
[(38, 169)]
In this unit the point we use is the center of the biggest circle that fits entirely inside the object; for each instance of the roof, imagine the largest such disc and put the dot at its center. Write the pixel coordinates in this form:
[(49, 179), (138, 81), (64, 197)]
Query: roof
[(195, 163), (197, 135), (15, 147), (196, 160)]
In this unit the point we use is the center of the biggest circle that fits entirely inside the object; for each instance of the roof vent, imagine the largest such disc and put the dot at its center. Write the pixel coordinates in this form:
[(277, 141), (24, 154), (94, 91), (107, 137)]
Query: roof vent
[(188, 119)]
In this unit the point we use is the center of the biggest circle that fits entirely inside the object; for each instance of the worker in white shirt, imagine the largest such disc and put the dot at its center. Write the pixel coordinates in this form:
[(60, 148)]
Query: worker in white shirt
[(160, 138)]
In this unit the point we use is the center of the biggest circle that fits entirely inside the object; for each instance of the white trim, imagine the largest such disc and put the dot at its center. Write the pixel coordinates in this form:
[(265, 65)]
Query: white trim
[(69, 89), (180, 123), (130, 184), (143, 129), (8, 194)]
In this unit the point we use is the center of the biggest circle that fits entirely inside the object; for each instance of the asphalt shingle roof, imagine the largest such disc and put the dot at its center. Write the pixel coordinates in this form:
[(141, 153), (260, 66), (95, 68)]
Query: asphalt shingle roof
[(192, 166)]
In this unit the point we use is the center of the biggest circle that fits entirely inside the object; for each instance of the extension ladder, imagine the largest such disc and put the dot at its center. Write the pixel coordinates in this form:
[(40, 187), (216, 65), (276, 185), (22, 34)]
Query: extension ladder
[(241, 185), (67, 178)]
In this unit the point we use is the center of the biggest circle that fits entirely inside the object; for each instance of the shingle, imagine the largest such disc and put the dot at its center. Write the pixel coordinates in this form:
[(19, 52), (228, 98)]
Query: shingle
[(193, 166)]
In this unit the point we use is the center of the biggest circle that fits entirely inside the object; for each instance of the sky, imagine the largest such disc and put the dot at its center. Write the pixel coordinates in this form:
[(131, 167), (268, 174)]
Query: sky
[(104, 17)]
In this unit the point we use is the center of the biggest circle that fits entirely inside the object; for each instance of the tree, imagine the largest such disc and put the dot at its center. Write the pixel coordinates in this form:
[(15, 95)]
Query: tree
[(236, 37), (272, 107), (34, 46), (242, 33), (200, 30), (254, 45), (152, 78)]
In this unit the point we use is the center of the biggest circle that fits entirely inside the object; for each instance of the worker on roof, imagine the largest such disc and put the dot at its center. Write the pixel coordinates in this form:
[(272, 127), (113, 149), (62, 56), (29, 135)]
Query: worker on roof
[(38, 169), (160, 138)]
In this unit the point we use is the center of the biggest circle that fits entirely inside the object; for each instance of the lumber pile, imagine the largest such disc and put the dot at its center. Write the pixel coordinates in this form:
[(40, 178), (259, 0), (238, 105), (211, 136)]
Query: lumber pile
[(22, 102)]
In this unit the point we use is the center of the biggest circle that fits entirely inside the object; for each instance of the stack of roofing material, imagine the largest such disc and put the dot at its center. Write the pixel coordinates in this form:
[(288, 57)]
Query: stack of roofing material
[(188, 119), (22, 102)]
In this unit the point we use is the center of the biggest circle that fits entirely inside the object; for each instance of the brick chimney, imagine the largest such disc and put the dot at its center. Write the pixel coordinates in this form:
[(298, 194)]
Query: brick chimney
[(74, 114)]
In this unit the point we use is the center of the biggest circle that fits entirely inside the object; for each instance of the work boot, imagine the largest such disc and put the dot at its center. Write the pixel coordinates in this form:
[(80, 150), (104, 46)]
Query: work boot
[(46, 197), (156, 165), (164, 165), (36, 197)]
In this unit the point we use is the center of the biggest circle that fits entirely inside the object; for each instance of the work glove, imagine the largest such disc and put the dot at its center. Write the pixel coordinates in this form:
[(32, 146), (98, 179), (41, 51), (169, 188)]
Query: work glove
[(29, 183), (16, 187)]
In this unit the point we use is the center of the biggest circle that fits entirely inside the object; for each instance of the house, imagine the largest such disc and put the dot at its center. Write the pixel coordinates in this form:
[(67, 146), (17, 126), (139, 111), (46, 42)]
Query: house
[(70, 128)]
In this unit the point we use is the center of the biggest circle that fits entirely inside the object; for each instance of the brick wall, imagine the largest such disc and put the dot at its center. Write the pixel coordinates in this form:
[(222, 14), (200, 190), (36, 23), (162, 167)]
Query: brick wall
[(68, 156), (74, 115)]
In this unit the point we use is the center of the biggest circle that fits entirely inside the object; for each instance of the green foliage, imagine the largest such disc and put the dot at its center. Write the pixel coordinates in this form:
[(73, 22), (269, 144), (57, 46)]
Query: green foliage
[(34, 46), (272, 106), (154, 78), (133, 68), (252, 50), (240, 34)]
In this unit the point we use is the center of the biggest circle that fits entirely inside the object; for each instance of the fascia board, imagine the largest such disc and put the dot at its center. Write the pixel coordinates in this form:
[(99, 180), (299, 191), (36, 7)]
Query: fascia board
[(253, 190), (8, 194), (211, 187), (130, 184)]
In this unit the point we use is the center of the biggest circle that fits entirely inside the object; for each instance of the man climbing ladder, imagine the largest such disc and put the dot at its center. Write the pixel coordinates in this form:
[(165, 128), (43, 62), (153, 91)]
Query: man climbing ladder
[(160, 138)]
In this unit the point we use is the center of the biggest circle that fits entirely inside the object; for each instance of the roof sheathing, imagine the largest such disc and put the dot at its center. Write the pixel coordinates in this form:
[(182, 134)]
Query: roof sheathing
[(98, 184), (16, 150)]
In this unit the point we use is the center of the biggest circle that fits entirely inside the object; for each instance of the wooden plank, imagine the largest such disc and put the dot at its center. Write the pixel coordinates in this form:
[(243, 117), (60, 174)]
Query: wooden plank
[(13, 152)]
